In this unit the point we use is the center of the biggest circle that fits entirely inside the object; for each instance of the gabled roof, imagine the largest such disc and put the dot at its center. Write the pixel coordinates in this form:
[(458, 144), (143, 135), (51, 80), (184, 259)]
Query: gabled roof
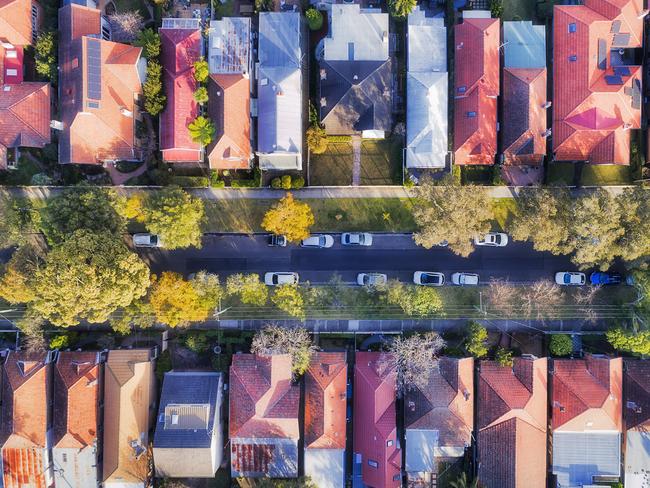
[(512, 423), (587, 394), (16, 21), (229, 109), (98, 82), (375, 421), (180, 48), (476, 87), (636, 378), (356, 34), (25, 115), (597, 90)]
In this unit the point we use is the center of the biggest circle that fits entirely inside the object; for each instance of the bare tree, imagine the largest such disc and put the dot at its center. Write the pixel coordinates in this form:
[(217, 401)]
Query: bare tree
[(501, 296), (412, 358), (125, 26), (297, 342), (540, 298), (584, 297)]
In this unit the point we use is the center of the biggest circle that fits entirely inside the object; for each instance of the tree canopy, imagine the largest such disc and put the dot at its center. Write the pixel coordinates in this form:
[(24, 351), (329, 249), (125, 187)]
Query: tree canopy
[(176, 301), (476, 340), (202, 130), (629, 341), (289, 299), (296, 342), (201, 70), (420, 301), (19, 220), (249, 288), (17, 282), (401, 8), (560, 345), (290, 218)]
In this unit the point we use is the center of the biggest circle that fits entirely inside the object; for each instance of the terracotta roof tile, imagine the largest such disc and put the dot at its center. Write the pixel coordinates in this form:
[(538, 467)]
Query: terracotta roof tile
[(637, 394), (25, 115), (16, 21)]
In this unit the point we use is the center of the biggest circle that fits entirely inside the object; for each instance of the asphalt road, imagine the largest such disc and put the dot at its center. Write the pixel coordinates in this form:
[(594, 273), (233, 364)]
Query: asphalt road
[(393, 254)]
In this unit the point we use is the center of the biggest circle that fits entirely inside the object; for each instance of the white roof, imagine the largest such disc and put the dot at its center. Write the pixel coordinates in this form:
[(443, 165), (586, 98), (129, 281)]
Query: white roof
[(579, 456), (427, 42), (422, 449), (637, 459), (325, 467), (477, 14), (356, 34), (524, 45), (229, 45)]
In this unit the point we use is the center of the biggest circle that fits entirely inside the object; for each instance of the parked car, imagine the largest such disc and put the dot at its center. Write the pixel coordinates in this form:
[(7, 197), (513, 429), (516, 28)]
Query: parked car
[(371, 279), (599, 278), (492, 239), (146, 240), (464, 279), (321, 241), (428, 278), (281, 278), (277, 241), (356, 239), (570, 278)]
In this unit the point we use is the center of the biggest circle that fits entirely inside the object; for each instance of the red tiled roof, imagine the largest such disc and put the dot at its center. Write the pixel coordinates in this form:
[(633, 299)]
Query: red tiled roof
[(229, 109), (25, 115), (180, 48), (16, 21), (325, 401), (590, 116), (512, 410), (375, 421), (476, 88), (637, 394), (587, 394)]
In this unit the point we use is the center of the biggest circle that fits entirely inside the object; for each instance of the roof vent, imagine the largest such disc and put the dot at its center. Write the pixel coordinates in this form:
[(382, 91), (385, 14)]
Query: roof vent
[(126, 112), (466, 394), (411, 405), (355, 77), (471, 114), (460, 45), (323, 102), (384, 36), (627, 126), (547, 105), (264, 81), (6, 88), (323, 74), (546, 133)]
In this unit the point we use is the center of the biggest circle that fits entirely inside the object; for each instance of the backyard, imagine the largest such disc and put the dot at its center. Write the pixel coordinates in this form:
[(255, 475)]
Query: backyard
[(333, 167)]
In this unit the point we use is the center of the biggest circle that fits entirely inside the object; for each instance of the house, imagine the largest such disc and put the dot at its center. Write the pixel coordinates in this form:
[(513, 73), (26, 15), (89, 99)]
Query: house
[(476, 88), (264, 406), (439, 418), (279, 91), (523, 131), (26, 424), (99, 84), (181, 45), (229, 88), (325, 413), (597, 52), (586, 418), (636, 412), (426, 92), (75, 415), (188, 442), (356, 78), (377, 460), (512, 419), (24, 105), (129, 398)]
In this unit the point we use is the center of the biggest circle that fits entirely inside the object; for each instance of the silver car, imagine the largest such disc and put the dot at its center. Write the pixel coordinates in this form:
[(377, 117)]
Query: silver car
[(146, 240), (570, 278), (321, 241), (281, 278), (428, 278), (371, 279), (492, 239), (464, 279), (356, 239)]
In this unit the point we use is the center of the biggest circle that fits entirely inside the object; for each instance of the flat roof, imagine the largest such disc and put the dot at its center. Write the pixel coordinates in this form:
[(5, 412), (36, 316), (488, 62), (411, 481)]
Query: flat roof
[(524, 45)]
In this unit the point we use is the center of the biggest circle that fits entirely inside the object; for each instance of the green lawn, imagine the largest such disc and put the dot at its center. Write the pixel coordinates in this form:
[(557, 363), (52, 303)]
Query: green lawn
[(123, 6), (518, 10), (478, 175), (381, 162), (333, 167), (560, 173), (504, 209), (606, 174), (226, 9)]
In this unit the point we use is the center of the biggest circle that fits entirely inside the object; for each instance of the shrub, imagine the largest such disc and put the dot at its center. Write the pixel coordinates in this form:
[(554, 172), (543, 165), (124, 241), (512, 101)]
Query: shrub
[(45, 56), (297, 183), (476, 341), (244, 184), (263, 6), (401, 8), (197, 343), (560, 345), (496, 8), (314, 19), (215, 182), (504, 357), (163, 364), (190, 181), (201, 95), (276, 183), (286, 182), (152, 90), (456, 175), (201, 70), (317, 139), (497, 176)]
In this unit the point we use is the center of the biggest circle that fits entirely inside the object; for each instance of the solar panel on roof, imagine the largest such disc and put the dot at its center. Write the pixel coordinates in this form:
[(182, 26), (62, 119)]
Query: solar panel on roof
[(94, 69), (602, 54), (616, 26), (613, 80)]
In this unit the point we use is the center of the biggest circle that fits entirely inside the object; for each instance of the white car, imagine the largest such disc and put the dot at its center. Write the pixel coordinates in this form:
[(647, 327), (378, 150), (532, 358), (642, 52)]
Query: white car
[(464, 279), (570, 278), (321, 241), (492, 239), (356, 239), (281, 278), (371, 279), (146, 240), (428, 278)]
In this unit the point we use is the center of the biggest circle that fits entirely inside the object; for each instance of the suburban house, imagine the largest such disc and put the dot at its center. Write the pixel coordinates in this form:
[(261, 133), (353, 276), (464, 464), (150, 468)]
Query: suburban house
[(426, 92), (476, 88), (586, 418), (26, 424), (377, 459), (181, 45), (439, 419), (325, 425), (75, 414), (263, 417), (597, 53), (188, 442), (129, 398), (24, 105), (512, 420), (636, 413), (356, 77), (279, 91), (100, 83), (229, 89), (523, 132)]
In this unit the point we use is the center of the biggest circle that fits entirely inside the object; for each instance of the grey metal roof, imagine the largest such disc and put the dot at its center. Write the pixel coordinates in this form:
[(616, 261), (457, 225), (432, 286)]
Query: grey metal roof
[(579, 456), (427, 42), (524, 45), (279, 39), (229, 45), (637, 459), (190, 396), (325, 467)]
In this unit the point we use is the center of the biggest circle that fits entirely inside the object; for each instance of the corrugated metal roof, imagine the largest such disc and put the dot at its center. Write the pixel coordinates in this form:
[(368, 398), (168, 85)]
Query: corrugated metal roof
[(325, 467), (579, 456), (229, 45), (524, 45), (427, 42), (637, 459), (356, 34)]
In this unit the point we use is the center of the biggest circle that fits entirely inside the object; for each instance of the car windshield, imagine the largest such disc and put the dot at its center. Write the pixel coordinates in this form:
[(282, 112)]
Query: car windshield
[(429, 278), (276, 279), (567, 278), (154, 239), (496, 239), (321, 241), (366, 280)]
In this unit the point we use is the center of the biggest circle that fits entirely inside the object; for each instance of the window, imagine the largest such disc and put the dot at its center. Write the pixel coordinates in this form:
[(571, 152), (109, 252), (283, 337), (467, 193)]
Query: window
[(572, 27), (12, 72), (573, 58), (373, 464), (92, 104), (462, 89), (389, 443), (471, 114), (64, 457)]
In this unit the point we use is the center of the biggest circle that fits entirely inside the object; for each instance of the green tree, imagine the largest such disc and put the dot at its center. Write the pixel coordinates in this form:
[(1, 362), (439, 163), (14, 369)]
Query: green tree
[(175, 216), (201, 95), (641, 279), (263, 6), (139, 314), (201, 70), (88, 277), (152, 89), (476, 340), (296, 342), (314, 19), (209, 290), (289, 299), (420, 301), (80, 208), (464, 482), (45, 56), (316, 139), (149, 41), (401, 8), (249, 288), (635, 219), (19, 220), (175, 301), (629, 341), (503, 357), (17, 282), (197, 342), (560, 345), (451, 213), (202, 130), (290, 218), (496, 8)]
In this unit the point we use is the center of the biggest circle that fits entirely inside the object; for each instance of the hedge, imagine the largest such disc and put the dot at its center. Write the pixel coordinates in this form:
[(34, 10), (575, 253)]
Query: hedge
[(190, 181)]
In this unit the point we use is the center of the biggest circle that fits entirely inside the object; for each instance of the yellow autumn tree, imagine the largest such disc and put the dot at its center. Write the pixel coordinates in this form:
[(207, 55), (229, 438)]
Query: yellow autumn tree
[(176, 301), (290, 218)]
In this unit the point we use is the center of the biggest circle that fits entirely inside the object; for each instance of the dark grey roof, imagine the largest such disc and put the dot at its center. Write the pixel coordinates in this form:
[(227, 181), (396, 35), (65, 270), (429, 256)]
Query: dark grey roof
[(188, 388)]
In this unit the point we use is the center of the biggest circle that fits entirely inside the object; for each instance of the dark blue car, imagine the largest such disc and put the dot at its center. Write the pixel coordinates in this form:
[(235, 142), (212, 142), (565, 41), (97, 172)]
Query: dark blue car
[(599, 278)]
